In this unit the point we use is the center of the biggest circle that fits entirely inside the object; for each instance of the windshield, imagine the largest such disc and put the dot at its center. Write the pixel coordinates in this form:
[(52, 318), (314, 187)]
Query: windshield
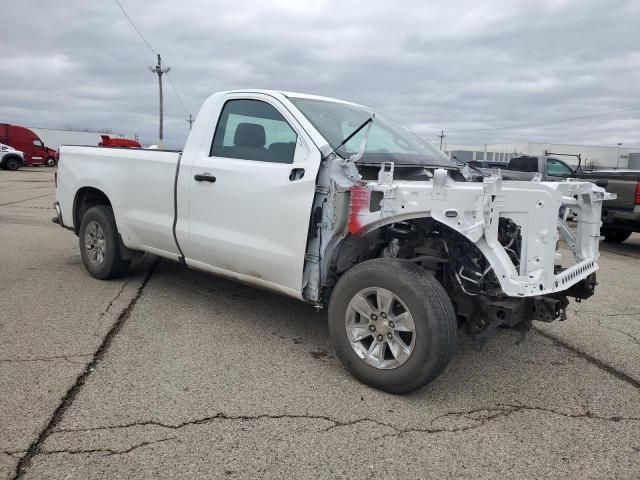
[(389, 141)]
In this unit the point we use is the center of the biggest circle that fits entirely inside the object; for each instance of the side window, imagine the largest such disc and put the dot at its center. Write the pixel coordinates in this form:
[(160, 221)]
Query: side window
[(556, 168), (253, 130)]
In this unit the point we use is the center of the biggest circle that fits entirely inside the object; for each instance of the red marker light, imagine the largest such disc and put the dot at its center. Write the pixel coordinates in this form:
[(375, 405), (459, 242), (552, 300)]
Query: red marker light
[(359, 205)]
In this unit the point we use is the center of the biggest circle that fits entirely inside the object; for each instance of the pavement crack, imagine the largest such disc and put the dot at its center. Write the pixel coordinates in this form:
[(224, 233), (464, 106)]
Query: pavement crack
[(36, 446), (591, 359), (68, 358), (479, 417), (204, 420), (26, 199), (585, 414), (102, 314), (632, 337), (105, 451), (13, 453), (114, 299), (599, 314)]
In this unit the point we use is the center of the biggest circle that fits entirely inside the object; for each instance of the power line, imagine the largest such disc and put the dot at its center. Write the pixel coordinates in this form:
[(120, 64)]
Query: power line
[(175, 90), (136, 28), (551, 122)]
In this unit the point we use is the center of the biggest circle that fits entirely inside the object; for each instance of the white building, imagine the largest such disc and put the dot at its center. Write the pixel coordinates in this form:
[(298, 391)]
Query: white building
[(604, 157), (53, 138)]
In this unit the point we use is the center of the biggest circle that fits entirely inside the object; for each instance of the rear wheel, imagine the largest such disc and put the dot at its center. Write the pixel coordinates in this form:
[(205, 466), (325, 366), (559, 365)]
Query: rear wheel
[(392, 324), (99, 244), (615, 236)]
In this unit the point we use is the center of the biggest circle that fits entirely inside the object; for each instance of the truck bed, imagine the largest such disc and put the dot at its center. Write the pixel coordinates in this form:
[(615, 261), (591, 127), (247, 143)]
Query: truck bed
[(140, 182), (621, 182)]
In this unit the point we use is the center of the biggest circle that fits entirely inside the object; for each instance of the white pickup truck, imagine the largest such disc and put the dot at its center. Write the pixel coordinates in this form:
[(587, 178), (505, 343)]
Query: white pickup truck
[(10, 158), (340, 206)]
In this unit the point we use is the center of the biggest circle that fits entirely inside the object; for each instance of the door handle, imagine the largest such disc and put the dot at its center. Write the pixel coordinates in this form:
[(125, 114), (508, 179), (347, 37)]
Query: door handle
[(296, 174), (204, 177)]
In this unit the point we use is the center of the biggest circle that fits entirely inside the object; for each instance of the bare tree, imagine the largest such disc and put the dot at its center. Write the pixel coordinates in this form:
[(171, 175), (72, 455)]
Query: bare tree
[(592, 164)]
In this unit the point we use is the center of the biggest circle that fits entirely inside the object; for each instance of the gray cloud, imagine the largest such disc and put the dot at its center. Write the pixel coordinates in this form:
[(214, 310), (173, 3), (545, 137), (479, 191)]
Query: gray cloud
[(463, 66)]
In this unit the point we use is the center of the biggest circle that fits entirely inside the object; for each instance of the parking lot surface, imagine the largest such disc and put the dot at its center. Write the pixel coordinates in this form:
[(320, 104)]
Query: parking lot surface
[(173, 373)]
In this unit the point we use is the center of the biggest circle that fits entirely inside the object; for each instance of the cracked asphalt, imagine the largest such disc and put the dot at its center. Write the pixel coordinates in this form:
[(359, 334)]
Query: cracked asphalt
[(173, 373)]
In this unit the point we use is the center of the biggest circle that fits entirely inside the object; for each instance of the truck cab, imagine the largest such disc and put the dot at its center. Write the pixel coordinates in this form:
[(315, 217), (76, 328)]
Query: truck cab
[(25, 140), (549, 168)]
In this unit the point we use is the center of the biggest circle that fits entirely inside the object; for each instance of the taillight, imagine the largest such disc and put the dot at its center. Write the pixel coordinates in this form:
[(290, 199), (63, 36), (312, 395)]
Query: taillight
[(638, 193)]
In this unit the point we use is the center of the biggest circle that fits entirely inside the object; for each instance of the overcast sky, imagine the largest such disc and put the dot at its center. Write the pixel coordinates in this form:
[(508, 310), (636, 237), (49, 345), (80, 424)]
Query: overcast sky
[(461, 66)]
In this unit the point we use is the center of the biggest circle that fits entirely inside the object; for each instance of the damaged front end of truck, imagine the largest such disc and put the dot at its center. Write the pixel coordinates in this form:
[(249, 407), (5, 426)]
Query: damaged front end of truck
[(503, 250)]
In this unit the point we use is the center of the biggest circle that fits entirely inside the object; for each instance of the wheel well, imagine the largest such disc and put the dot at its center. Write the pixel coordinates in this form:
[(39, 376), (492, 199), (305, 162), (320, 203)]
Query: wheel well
[(86, 198), (426, 242)]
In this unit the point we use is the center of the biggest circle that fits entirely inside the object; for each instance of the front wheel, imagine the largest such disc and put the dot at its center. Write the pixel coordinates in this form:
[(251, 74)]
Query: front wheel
[(12, 164), (392, 324), (51, 162), (99, 244)]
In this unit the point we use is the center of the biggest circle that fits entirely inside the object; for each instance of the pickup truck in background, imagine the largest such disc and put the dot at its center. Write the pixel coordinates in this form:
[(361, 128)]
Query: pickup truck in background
[(339, 206), (620, 216), (10, 158), (527, 167)]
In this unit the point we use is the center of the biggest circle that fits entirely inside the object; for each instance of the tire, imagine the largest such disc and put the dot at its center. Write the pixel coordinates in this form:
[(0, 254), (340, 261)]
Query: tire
[(615, 236), (51, 162), (12, 164), (415, 291), (100, 245)]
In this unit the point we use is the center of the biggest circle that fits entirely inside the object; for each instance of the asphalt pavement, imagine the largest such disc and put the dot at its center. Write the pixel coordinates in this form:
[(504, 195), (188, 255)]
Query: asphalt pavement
[(173, 373)]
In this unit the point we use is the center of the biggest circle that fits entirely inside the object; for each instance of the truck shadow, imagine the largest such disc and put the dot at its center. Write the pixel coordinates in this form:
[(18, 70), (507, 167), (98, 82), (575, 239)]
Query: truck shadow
[(275, 323), (630, 247)]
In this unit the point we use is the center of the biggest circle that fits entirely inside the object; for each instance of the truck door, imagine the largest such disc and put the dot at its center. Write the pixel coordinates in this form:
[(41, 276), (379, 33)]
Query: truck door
[(251, 192), (38, 151)]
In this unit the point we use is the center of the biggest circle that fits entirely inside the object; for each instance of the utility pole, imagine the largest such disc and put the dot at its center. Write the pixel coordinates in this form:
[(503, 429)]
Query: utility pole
[(618, 162), (158, 70), (190, 120), (442, 136)]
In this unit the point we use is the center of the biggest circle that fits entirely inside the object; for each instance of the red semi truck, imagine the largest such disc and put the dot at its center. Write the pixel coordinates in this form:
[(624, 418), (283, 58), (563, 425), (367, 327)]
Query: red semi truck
[(23, 139)]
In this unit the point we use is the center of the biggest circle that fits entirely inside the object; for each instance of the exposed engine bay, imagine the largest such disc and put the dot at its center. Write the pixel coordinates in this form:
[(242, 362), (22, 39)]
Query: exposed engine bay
[(491, 244)]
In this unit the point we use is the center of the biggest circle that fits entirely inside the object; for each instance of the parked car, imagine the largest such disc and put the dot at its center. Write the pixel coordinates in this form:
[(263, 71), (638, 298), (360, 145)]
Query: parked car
[(620, 216), (10, 158), (107, 141), (34, 149), (320, 200)]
